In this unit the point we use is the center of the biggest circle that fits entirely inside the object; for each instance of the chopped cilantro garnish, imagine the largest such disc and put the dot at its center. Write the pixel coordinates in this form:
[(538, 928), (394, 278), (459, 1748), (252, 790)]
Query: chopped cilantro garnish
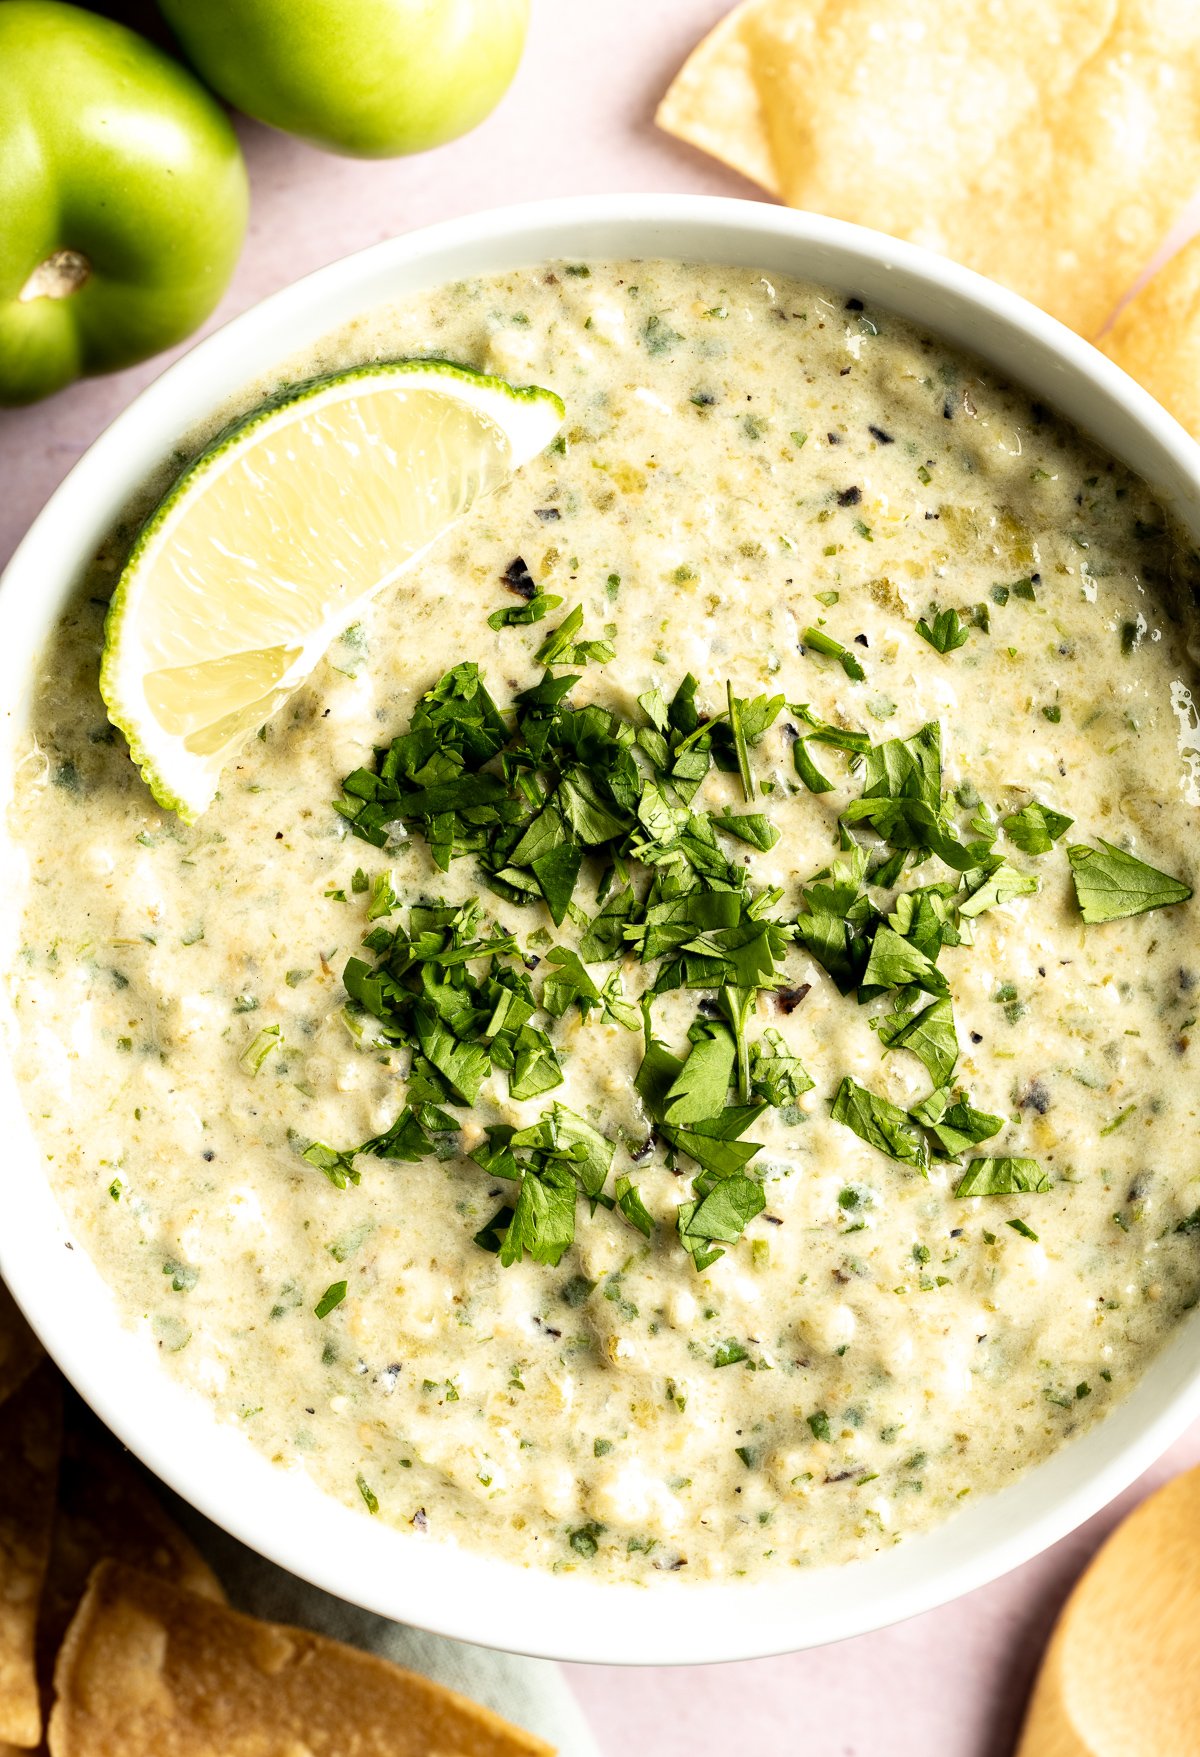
[(521, 615), (824, 643), (630, 1204), (332, 1296), (1003, 1177), (776, 1076), (1036, 828), (561, 647), (998, 885), (583, 1541), (880, 1124), (184, 1276), (729, 1353), (1110, 884), (946, 632), (687, 1099), (538, 794), (952, 1127), (930, 1036), (259, 1048)]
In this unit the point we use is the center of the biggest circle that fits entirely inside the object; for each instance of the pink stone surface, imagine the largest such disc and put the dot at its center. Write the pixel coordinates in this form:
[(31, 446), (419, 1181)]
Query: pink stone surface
[(579, 119)]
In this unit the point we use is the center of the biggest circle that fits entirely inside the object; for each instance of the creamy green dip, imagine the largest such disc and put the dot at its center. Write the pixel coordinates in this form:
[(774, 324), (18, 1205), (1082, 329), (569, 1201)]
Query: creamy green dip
[(743, 461)]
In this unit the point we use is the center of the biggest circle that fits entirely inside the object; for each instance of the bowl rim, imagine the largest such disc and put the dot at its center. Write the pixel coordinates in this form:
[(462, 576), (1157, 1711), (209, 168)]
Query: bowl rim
[(279, 1512)]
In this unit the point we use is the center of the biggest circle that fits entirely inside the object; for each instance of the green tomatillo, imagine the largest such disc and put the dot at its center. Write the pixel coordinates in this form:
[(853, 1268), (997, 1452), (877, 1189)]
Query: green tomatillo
[(123, 198), (369, 78)]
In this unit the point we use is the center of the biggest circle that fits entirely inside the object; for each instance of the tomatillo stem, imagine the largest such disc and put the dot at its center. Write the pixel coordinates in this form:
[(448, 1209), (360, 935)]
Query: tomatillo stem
[(57, 278)]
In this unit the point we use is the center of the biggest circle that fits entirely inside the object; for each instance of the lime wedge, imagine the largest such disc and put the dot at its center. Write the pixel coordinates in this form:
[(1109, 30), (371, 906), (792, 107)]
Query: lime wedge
[(270, 544)]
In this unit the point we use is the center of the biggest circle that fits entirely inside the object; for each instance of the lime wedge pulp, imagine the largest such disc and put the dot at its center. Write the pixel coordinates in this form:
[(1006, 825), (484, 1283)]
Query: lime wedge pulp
[(271, 542)]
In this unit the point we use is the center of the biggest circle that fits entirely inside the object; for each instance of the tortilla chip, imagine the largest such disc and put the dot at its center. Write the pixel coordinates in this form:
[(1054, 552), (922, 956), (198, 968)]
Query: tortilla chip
[(148, 1671), (30, 1438), (713, 103), (1049, 144), (1156, 337), (106, 1509), (20, 1350)]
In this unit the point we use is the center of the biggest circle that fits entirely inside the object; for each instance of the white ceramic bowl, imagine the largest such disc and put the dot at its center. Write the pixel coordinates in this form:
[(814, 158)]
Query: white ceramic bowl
[(279, 1513)]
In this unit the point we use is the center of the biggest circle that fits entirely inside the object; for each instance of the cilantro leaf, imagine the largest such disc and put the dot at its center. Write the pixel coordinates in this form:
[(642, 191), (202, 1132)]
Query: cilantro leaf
[(821, 732), (1000, 885), (758, 715), (700, 1089), (930, 1036), (740, 727), (840, 922), (775, 1074), (749, 826), (714, 1141), (332, 1296), (911, 823), (561, 648), (632, 1207), (383, 898), (655, 710), (523, 614), (658, 1070), (464, 1066), (807, 770), (536, 1067), (1003, 1177), (907, 768), (406, 1139), (924, 917), (946, 634), (895, 962), (541, 835), (953, 1127), (591, 1152), (570, 982), (1110, 884), (723, 1214), (566, 1156), (543, 1221), (880, 1124), (338, 1167), (902, 797), (824, 643), (491, 1236), (615, 1005), (556, 873), (592, 820), (605, 940), (1036, 827)]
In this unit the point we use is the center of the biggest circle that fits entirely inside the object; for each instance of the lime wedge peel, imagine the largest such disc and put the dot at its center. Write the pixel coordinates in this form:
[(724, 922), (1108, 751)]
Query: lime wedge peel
[(270, 544)]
